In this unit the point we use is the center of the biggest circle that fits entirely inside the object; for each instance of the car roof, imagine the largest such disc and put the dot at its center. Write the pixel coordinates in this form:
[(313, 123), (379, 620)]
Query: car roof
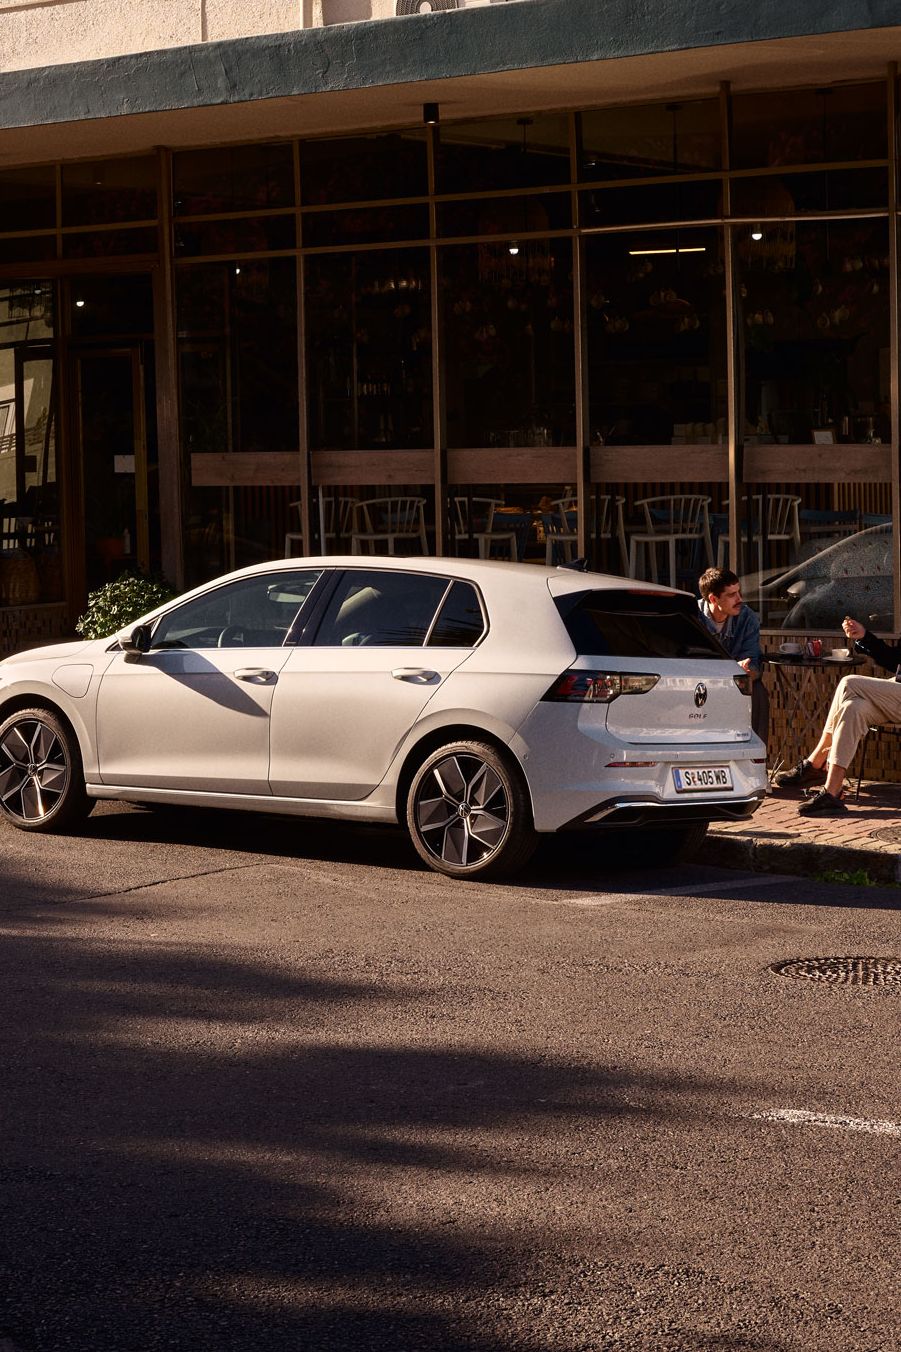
[(559, 580)]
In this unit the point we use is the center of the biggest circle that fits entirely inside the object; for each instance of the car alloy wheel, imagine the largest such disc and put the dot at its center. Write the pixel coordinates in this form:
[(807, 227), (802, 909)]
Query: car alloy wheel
[(468, 812), (41, 781)]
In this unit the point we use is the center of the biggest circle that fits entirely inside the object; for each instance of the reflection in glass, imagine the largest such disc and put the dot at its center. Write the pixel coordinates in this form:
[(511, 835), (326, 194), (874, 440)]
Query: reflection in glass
[(642, 142), (815, 331), (509, 216), (254, 234), (106, 191), (656, 339), (238, 356), (28, 198), (509, 343), (369, 346), (522, 152), (534, 523), (830, 554), (809, 126), (364, 168), (372, 225), (797, 194), (233, 178), (651, 202), (30, 546), (111, 243)]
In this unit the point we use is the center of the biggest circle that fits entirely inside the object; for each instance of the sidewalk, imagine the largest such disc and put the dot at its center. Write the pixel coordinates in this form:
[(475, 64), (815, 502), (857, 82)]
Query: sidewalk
[(778, 840)]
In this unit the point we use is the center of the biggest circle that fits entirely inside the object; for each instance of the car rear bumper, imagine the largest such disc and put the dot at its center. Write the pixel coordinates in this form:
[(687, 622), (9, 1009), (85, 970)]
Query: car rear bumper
[(624, 812)]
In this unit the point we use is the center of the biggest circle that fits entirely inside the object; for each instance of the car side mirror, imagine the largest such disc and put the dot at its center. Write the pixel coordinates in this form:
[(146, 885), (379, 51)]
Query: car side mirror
[(137, 642)]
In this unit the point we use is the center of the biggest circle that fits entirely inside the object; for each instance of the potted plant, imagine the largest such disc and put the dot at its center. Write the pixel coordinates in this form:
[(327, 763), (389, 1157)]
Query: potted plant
[(115, 604)]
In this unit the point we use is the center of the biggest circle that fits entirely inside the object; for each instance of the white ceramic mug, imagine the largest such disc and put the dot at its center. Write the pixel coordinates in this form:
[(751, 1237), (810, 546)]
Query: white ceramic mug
[(790, 649)]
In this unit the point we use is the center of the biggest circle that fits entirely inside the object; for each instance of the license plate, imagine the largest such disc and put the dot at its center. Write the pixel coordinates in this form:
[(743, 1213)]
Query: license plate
[(702, 778)]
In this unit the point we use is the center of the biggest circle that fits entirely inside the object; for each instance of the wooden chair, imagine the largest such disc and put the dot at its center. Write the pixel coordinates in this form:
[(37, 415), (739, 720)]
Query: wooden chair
[(479, 526), (386, 521), (677, 519)]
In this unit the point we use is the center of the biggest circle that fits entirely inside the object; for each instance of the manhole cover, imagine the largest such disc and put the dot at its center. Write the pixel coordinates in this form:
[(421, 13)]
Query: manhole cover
[(842, 971), (890, 833)]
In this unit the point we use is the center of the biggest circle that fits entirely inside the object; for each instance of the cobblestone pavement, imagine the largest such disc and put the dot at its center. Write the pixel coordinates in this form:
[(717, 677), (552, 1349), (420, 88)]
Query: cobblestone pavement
[(778, 839)]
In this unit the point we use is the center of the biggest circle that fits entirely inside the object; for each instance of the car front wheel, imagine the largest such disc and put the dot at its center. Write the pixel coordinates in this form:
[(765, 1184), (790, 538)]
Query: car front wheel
[(468, 812), (41, 777)]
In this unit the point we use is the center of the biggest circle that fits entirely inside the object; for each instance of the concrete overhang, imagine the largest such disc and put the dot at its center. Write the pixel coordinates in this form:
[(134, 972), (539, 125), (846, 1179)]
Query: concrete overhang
[(535, 55)]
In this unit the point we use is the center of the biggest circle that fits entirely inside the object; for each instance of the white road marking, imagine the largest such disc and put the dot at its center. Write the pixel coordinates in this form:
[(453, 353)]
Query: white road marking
[(725, 885), (577, 901), (801, 1117)]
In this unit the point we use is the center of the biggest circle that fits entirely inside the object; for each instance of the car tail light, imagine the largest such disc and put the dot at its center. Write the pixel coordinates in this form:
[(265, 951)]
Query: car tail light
[(598, 687), (744, 683)]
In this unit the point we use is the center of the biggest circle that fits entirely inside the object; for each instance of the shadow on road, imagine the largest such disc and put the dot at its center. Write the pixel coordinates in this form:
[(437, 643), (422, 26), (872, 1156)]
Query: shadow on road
[(207, 1152)]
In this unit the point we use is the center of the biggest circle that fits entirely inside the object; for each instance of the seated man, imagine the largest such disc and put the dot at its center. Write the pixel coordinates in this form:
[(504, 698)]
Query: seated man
[(738, 629), (858, 701)]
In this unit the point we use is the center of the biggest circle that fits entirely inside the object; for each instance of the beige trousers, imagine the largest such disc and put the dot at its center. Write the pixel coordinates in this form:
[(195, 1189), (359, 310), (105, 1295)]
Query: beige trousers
[(859, 701)]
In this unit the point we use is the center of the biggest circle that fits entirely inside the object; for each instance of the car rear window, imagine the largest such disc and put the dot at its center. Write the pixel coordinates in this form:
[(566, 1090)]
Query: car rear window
[(460, 623), (636, 624)]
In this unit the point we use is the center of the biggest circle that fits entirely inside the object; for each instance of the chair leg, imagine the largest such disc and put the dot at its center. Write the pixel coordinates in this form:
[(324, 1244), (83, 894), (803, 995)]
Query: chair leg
[(863, 763)]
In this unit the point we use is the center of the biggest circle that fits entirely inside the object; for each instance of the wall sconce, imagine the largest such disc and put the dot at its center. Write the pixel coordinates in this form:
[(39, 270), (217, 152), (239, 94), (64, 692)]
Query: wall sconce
[(757, 233), (430, 114), (513, 248)]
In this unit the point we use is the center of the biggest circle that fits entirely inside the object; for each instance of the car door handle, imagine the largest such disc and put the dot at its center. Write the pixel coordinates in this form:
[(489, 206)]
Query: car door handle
[(256, 675), (415, 675)]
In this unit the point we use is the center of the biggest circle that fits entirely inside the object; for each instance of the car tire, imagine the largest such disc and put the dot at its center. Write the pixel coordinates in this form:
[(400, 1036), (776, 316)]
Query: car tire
[(674, 846), (41, 775), (469, 814)]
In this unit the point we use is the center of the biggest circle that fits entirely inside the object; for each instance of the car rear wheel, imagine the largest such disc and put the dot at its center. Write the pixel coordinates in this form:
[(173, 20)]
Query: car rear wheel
[(41, 776), (468, 812)]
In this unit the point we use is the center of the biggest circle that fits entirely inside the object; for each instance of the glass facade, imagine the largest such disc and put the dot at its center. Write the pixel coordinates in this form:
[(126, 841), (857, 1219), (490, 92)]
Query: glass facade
[(518, 337)]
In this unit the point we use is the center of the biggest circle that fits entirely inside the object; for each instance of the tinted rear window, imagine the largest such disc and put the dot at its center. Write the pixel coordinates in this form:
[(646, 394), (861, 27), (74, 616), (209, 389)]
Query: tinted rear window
[(460, 623), (636, 624)]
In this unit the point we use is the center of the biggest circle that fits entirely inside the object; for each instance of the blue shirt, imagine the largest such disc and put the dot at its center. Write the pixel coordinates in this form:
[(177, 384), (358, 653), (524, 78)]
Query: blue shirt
[(740, 635)]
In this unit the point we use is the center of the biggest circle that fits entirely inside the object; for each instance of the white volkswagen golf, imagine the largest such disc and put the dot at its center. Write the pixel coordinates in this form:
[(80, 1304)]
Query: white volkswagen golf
[(479, 703)]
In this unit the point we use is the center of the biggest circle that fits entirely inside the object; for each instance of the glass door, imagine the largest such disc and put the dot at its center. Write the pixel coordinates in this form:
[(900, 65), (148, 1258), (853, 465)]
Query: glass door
[(112, 438)]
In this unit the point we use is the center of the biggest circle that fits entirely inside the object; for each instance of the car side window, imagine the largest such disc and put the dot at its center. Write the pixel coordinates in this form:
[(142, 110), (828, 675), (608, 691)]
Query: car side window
[(254, 612), (381, 609), (460, 622)]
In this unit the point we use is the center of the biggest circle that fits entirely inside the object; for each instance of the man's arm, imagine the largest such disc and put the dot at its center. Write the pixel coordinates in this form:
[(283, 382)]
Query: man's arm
[(887, 655), (745, 645)]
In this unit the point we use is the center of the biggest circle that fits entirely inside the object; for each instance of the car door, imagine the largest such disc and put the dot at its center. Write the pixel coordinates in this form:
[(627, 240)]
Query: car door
[(193, 712), (345, 702)]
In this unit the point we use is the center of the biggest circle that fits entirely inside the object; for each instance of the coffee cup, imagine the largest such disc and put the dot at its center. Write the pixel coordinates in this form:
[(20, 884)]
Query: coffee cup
[(841, 652), (790, 649)]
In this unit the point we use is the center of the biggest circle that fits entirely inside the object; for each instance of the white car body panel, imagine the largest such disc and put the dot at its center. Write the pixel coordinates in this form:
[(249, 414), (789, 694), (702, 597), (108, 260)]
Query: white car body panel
[(199, 725), (340, 714)]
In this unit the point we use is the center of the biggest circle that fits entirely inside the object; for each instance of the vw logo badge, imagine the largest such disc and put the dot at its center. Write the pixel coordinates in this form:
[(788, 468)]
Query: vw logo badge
[(700, 695)]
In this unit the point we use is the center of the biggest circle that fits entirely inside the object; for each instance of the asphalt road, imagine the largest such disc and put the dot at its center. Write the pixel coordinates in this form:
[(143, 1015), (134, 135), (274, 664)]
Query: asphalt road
[(269, 1086)]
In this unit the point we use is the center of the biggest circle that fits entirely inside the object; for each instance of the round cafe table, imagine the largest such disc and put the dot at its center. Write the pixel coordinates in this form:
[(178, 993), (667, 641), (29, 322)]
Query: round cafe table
[(804, 699)]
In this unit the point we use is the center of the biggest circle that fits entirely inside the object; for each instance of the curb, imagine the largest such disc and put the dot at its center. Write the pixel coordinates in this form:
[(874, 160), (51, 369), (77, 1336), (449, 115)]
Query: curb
[(727, 849)]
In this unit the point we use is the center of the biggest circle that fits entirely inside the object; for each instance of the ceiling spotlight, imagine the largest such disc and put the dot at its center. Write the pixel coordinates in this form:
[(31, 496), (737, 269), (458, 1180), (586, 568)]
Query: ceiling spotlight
[(430, 114), (757, 233), (513, 247)]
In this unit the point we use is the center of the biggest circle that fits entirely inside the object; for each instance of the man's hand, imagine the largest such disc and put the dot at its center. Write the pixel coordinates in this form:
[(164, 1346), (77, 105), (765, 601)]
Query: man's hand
[(853, 628), (747, 665)]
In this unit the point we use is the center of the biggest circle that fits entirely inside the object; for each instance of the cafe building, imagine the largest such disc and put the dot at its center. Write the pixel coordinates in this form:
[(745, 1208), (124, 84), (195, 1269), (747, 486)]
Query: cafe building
[(523, 280)]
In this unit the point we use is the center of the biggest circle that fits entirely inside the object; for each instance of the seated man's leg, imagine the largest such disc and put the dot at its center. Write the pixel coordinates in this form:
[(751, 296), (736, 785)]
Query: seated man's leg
[(859, 701)]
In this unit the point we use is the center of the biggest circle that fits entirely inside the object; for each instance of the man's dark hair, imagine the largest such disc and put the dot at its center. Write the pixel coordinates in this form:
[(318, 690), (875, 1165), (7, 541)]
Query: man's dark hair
[(714, 581)]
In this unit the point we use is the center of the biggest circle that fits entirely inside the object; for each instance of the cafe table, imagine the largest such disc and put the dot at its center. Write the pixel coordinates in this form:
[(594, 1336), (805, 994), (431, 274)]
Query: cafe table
[(804, 699)]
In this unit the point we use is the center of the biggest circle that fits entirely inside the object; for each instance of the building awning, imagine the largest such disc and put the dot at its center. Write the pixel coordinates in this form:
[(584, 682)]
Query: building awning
[(474, 62)]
